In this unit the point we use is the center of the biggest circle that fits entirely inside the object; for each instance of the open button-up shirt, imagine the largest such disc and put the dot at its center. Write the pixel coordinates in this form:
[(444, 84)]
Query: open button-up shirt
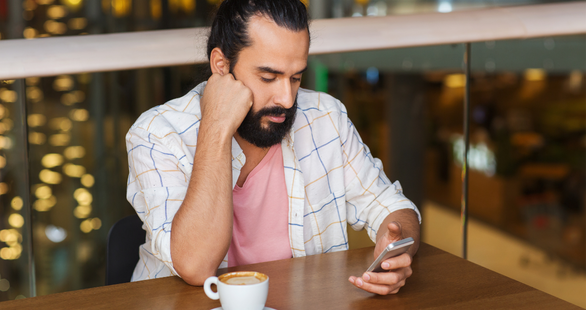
[(332, 179)]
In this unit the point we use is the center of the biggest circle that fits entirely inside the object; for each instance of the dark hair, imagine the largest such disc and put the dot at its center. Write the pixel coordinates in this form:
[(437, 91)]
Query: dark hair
[(230, 26)]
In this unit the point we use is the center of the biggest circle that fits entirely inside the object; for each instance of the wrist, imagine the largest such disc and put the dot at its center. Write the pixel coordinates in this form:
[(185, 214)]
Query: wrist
[(214, 132)]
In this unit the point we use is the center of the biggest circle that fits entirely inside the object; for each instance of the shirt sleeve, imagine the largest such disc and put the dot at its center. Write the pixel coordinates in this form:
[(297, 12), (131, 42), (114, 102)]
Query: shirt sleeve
[(370, 195), (157, 184)]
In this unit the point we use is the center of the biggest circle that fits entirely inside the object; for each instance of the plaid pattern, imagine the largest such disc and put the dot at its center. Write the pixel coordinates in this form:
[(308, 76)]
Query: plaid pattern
[(332, 179)]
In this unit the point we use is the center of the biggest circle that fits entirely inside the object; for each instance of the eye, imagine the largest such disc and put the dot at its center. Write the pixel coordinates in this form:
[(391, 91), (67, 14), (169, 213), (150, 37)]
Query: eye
[(266, 80), (296, 80)]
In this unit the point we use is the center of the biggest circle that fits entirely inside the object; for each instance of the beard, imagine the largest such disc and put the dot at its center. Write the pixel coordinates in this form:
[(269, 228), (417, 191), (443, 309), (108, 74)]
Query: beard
[(253, 132)]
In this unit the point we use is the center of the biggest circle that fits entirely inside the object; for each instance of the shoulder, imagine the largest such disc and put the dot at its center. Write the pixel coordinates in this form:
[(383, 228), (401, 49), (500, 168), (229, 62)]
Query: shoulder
[(176, 115), (310, 100)]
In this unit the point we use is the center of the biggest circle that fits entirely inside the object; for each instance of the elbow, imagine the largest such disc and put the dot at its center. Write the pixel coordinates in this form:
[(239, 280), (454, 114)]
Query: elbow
[(194, 280), (194, 275)]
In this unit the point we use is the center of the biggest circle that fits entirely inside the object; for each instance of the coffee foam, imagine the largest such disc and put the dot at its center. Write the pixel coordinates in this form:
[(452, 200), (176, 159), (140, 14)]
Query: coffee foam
[(242, 278)]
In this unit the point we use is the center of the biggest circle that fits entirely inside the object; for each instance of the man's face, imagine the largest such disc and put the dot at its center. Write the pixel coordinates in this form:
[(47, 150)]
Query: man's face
[(271, 67)]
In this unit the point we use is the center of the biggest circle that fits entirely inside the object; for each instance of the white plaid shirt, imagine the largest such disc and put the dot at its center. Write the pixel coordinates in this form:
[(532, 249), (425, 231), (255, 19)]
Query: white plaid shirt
[(331, 177)]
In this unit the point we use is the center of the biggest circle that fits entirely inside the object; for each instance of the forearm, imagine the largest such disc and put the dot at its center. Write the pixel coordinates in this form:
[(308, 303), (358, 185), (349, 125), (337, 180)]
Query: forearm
[(409, 222), (202, 227)]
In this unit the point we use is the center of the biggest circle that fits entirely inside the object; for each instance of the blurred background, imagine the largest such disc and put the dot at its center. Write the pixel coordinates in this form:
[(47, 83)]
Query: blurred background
[(527, 149)]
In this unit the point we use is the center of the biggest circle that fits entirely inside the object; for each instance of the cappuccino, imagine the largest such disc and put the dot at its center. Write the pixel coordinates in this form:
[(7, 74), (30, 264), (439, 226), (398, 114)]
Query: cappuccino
[(242, 278)]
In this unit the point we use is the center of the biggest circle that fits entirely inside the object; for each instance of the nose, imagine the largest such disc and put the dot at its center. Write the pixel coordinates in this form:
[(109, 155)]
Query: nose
[(284, 96)]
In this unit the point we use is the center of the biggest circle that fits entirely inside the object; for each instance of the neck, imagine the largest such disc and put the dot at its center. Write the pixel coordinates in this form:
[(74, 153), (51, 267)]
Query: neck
[(254, 156), (253, 153)]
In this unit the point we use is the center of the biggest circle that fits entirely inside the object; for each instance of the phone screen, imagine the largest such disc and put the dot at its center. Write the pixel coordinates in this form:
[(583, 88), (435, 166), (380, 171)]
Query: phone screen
[(394, 249)]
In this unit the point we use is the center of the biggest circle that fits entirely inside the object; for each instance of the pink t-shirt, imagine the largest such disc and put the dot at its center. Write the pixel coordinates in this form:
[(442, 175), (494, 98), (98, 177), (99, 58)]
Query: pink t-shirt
[(261, 231)]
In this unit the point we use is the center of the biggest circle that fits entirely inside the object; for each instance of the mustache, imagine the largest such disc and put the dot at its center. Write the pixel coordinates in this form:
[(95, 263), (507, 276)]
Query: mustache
[(274, 111)]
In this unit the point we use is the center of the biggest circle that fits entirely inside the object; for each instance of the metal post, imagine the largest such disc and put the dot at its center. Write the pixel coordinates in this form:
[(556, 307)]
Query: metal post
[(27, 209), (464, 215)]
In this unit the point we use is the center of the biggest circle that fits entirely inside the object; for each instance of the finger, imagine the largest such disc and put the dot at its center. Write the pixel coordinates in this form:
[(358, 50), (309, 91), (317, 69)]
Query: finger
[(380, 289), (388, 278), (398, 288), (401, 261)]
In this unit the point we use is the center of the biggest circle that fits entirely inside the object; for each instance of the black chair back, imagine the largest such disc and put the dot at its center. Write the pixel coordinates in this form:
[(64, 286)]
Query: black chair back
[(124, 239)]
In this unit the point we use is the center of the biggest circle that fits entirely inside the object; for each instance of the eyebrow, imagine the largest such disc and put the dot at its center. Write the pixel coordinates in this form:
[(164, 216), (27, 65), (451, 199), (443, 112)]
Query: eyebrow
[(273, 71)]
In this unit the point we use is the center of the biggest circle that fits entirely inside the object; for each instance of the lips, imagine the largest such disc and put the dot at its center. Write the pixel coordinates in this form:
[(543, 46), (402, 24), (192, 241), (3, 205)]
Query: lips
[(277, 119)]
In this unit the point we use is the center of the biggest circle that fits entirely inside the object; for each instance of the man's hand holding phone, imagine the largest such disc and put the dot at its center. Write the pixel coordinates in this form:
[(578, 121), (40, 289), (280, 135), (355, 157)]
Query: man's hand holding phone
[(397, 269)]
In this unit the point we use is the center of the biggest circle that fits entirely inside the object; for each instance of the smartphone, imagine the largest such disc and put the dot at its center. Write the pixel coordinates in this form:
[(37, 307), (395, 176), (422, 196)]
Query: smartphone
[(394, 249)]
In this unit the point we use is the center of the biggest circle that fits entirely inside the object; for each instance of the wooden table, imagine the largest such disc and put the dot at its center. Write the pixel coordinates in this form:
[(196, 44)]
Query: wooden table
[(440, 281)]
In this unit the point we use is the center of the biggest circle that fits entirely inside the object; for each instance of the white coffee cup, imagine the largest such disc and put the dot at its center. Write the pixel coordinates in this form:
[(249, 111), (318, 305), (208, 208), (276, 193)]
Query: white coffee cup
[(240, 290)]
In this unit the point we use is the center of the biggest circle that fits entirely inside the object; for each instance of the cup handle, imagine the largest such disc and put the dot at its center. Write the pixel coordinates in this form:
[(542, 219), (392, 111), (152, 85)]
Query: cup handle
[(207, 287)]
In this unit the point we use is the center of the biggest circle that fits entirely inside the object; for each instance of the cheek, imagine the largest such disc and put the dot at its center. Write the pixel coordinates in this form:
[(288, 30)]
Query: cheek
[(260, 97)]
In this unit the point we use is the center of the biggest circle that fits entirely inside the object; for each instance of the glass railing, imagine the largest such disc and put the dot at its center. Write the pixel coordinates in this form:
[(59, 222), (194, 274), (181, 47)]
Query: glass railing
[(63, 158)]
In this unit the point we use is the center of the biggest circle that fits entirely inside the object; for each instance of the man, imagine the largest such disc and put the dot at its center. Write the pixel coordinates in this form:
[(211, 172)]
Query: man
[(248, 167)]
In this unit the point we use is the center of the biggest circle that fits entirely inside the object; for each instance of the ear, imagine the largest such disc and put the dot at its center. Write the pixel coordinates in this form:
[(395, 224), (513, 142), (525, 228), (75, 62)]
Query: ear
[(218, 62)]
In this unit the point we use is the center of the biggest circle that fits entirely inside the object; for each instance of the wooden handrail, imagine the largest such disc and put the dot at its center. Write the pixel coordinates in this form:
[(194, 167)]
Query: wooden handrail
[(123, 51)]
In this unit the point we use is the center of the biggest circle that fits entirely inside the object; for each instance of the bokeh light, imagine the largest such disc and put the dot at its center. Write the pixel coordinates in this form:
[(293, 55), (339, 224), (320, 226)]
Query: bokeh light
[(29, 5), (60, 139), (54, 27), (34, 94), (8, 124), (84, 78), (79, 115), (11, 237), (52, 160), (96, 223), (36, 120), (3, 188), (156, 9), (60, 123), (16, 220), (37, 138), (83, 196), (86, 226), (50, 177), (73, 152), (55, 234), (8, 95), (32, 81), (68, 99), (121, 8), (87, 180), (43, 205), (82, 212), (534, 74), (63, 83), (73, 4), (5, 143), (4, 285), (455, 80), (57, 11), (29, 33), (74, 171), (43, 192), (16, 203), (77, 23), (10, 253)]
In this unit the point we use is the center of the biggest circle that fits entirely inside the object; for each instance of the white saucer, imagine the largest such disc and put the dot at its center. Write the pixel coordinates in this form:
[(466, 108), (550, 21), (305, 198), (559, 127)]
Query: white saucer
[(265, 308)]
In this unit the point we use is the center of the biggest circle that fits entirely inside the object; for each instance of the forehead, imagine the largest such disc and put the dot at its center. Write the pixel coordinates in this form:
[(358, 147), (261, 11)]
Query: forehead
[(274, 46)]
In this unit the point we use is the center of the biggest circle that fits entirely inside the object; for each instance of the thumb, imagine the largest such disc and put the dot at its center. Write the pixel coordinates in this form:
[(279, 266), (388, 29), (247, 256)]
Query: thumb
[(394, 231)]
